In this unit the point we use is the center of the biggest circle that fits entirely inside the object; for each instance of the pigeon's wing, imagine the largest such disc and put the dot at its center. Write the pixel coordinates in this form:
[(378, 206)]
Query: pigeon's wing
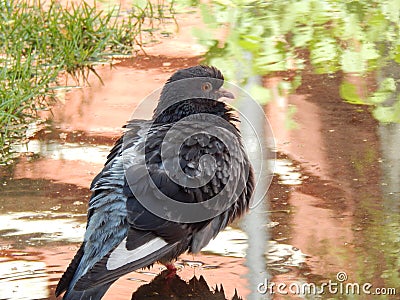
[(69, 273), (128, 139), (144, 238), (148, 239), (151, 237), (106, 225)]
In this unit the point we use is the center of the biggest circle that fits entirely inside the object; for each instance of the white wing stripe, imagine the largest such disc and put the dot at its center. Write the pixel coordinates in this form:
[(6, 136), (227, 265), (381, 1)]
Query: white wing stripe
[(121, 256)]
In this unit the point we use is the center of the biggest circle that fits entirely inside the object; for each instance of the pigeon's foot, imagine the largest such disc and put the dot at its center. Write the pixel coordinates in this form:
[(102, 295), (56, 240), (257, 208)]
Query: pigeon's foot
[(171, 270)]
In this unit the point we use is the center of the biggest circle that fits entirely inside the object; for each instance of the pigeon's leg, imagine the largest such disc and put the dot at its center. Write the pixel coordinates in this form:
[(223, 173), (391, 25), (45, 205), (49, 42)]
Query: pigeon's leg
[(171, 270)]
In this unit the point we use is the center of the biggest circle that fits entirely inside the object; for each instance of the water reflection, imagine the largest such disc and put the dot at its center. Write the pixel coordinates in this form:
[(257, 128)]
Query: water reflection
[(389, 230), (42, 226), (53, 149), (259, 143), (389, 135), (288, 173), (230, 242), (161, 288), (344, 212), (358, 38), (21, 279)]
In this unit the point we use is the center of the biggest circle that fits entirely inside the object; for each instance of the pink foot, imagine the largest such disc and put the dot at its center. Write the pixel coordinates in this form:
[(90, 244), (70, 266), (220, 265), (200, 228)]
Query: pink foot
[(171, 270)]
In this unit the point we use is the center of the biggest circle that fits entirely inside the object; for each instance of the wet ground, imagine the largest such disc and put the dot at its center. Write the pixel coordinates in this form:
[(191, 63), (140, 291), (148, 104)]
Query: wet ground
[(333, 204)]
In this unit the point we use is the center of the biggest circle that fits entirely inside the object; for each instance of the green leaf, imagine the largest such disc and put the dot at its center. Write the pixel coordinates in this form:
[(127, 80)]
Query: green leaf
[(263, 68), (376, 24), (368, 51), (203, 36), (296, 82), (383, 114), (352, 62), (302, 35), (388, 85), (397, 55), (284, 87), (391, 9), (250, 42), (352, 28), (348, 92), (378, 97), (207, 15), (386, 89), (324, 50), (261, 94)]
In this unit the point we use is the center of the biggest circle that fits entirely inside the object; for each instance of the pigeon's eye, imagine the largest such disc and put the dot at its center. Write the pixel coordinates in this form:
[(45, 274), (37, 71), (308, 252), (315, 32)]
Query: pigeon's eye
[(206, 86)]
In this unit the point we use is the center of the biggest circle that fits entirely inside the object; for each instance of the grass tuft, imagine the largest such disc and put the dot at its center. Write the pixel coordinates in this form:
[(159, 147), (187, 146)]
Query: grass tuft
[(40, 40)]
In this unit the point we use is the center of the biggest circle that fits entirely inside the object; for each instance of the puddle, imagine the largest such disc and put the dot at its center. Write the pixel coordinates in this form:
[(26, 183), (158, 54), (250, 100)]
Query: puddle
[(21, 279), (287, 173), (43, 226), (333, 202), (331, 198), (65, 151)]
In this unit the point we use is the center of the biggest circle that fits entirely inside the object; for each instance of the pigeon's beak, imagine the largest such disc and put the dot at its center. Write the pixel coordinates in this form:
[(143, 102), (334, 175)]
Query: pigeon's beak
[(222, 93)]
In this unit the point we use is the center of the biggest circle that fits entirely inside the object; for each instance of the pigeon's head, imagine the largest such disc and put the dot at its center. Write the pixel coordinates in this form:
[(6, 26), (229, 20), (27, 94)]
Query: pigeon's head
[(192, 90), (203, 80)]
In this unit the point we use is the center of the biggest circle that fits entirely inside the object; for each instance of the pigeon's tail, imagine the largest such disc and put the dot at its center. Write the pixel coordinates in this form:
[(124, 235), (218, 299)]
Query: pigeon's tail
[(121, 261), (94, 293)]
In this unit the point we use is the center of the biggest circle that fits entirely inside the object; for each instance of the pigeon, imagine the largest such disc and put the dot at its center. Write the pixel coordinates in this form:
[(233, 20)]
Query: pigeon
[(168, 186)]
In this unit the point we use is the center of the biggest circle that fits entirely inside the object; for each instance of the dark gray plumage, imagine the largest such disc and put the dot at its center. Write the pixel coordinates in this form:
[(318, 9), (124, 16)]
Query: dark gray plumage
[(121, 234)]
